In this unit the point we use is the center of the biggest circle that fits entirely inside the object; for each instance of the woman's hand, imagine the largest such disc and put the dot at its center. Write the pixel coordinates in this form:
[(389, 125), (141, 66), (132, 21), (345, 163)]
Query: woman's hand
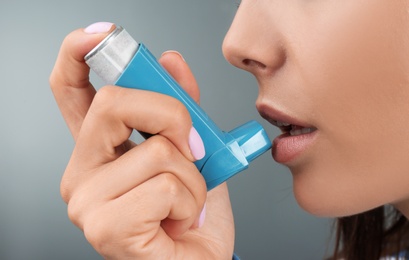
[(132, 201)]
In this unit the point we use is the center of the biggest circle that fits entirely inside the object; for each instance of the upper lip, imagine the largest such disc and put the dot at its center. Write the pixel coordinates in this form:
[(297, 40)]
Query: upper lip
[(283, 121)]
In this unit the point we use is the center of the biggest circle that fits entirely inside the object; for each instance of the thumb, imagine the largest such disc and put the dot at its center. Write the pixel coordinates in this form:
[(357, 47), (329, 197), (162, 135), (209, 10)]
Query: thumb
[(69, 79)]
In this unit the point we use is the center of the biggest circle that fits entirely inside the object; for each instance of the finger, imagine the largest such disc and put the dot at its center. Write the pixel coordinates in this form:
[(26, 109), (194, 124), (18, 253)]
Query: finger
[(218, 203), (69, 79), (154, 156), (177, 208), (134, 219), (115, 111), (174, 63), (220, 216)]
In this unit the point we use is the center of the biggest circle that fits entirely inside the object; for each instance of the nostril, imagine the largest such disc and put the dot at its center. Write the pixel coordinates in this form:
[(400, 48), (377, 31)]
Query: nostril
[(253, 63)]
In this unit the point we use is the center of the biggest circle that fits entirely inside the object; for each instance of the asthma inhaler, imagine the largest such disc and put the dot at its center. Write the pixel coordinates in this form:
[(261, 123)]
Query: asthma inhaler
[(120, 60)]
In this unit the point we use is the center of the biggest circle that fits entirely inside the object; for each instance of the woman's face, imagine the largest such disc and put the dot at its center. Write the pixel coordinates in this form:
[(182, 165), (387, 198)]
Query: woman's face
[(338, 71)]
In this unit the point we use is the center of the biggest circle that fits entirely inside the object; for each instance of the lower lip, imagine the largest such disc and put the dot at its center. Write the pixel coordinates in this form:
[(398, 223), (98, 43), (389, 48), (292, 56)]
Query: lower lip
[(287, 148)]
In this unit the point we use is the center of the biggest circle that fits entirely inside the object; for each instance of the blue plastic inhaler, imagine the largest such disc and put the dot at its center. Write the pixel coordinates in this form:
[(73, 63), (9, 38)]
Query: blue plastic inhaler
[(120, 60)]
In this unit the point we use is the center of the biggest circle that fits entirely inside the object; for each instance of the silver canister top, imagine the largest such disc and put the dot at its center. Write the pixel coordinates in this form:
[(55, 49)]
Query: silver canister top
[(112, 55)]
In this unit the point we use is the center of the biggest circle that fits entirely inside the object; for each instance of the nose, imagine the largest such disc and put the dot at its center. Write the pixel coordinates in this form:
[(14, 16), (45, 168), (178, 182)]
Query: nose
[(253, 42)]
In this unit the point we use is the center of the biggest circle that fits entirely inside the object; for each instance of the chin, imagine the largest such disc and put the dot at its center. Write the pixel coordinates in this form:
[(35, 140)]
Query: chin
[(316, 207), (323, 201)]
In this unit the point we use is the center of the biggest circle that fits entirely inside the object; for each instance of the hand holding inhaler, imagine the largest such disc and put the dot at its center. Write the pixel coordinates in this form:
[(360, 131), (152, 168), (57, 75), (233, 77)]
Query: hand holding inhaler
[(121, 61), (145, 201)]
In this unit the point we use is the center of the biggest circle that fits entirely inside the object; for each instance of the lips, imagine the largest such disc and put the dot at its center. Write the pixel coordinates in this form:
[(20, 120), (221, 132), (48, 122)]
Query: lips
[(296, 138)]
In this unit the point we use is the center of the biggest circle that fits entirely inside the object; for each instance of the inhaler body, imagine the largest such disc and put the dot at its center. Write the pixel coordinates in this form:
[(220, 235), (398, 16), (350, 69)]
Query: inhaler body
[(121, 61)]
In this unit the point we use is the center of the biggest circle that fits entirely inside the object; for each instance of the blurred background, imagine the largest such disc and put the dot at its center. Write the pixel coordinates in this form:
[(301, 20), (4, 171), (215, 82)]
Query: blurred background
[(35, 144)]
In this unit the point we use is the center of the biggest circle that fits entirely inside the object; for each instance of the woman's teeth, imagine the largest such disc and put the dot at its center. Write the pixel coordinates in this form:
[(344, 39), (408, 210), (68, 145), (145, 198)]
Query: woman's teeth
[(294, 130), (300, 131), (279, 123)]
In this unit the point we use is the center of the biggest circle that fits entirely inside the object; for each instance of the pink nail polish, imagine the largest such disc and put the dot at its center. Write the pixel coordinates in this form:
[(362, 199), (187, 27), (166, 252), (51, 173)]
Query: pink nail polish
[(202, 216), (176, 52), (100, 27), (196, 144)]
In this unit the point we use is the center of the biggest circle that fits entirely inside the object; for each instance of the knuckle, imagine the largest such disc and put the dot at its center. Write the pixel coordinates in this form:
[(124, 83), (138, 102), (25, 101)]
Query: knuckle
[(169, 184), (97, 232), (98, 226), (107, 91), (179, 112), (52, 81), (55, 78), (68, 39), (177, 194), (65, 190), (102, 231), (161, 147), (73, 212), (103, 98), (75, 209), (65, 194)]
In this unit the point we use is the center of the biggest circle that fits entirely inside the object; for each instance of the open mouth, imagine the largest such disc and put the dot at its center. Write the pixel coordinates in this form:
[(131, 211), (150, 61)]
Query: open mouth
[(288, 125), (292, 130), (296, 138)]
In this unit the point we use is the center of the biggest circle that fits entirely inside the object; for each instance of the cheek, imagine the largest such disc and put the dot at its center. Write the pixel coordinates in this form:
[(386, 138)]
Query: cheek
[(359, 94)]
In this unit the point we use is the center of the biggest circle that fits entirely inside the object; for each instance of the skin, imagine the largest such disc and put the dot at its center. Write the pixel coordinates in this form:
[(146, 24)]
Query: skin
[(136, 201), (340, 66)]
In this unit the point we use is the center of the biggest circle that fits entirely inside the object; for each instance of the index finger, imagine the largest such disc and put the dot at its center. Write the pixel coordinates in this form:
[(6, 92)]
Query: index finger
[(69, 79)]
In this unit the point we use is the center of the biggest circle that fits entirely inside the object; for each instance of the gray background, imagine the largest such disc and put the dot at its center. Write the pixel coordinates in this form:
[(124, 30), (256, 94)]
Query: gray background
[(35, 144)]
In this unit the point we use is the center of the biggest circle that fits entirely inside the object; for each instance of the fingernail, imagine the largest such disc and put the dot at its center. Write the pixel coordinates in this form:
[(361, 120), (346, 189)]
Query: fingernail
[(176, 52), (202, 216), (196, 144), (100, 27)]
